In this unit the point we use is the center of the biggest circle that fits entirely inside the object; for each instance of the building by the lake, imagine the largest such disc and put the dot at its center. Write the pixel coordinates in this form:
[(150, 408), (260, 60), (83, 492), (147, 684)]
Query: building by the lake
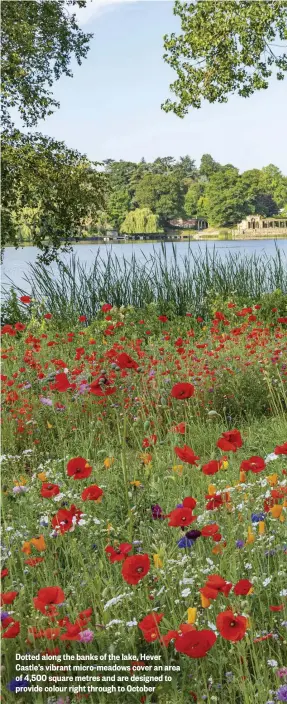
[(257, 226), (188, 224)]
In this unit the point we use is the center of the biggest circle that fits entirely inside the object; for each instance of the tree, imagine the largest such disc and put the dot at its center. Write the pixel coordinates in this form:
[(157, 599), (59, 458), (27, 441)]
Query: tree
[(56, 188), (224, 47), (258, 194), (139, 221), (226, 200), (208, 166), (275, 183), (163, 194), (118, 205), (192, 198), (37, 42)]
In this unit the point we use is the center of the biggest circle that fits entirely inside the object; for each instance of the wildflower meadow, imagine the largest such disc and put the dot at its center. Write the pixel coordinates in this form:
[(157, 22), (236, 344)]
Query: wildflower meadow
[(144, 484)]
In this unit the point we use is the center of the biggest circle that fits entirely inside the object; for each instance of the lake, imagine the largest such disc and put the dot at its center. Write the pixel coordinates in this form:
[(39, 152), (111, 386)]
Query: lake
[(16, 261)]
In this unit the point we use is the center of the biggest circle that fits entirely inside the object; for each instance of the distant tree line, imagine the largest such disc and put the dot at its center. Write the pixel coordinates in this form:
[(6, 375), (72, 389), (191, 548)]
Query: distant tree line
[(144, 197)]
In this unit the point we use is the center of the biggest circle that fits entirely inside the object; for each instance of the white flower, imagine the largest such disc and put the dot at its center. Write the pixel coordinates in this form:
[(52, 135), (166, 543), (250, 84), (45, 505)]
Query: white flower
[(130, 624), (267, 581), (271, 457), (185, 592), (283, 592), (116, 599), (272, 663)]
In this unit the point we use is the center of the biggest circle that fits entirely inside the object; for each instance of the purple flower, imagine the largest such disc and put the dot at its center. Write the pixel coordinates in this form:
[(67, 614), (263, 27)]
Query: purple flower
[(193, 534), (239, 543), (17, 683), (86, 636), (156, 511), (281, 694), (4, 614), (46, 401)]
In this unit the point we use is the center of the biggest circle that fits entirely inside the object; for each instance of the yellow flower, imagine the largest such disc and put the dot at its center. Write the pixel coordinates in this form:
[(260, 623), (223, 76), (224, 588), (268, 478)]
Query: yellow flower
[(250, 536), (109, 527), (276, 511), (158, 563), (205, 603), (22, 481), (191, 615), (108, 462), (49, 426), (272, 479), (211, 489), (242, 477), (224, 464), (178, 468), (42, 476), (261, 525), (136, 483)]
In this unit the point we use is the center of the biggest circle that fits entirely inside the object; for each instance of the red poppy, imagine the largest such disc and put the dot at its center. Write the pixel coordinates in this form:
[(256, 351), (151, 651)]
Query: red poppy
[(186, 454), (277, 608), (8, 597), (92, 493), (230, 441), (65, 519), (189, 502), (20, 327), (214, 501), (209, 530), (182, 390), (254, 464), (211, 467), (231, 627), (78, 468), (106, 307), (61, 383), (49, 490), (25, 299), (119, 553), (180, 428), (48, 316), (149, 626), (82, 319), (48, 597), (102, 388), (281, 449), (195, 644), (124, 361), (242, 587), (33, 561), (135, 568), (4, 573), (181, 517), (13, 630)]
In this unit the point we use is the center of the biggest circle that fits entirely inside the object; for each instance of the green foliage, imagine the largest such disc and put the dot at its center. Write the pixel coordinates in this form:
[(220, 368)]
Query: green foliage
[(192, 201), (208, 166), (224, 48), (163, 194), (55, 187), (141, 220), (38, 40), (226, 198), (118, 206)]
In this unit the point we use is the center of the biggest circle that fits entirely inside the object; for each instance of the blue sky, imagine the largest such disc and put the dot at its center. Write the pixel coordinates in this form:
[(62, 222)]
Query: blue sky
[(111, 107)]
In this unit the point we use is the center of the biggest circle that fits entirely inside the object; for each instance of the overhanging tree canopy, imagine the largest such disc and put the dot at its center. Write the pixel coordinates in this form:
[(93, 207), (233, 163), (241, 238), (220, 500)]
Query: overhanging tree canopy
[(225, 47)]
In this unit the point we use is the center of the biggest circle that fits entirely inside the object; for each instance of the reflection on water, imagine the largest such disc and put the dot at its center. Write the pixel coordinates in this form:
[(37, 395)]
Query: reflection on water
[(16, 262)]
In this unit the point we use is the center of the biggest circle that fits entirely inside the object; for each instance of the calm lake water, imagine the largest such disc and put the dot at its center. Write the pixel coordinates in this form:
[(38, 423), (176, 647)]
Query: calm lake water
[(16, 262)]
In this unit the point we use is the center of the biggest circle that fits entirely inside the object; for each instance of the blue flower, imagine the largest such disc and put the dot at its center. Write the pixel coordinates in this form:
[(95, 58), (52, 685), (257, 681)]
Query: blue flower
[(281, 694), (185, 542), (256, 517), (239, 543), (17, 683)]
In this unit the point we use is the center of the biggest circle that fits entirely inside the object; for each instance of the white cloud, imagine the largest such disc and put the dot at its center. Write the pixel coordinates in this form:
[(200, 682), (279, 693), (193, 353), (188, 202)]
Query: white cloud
[(96, 7)]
